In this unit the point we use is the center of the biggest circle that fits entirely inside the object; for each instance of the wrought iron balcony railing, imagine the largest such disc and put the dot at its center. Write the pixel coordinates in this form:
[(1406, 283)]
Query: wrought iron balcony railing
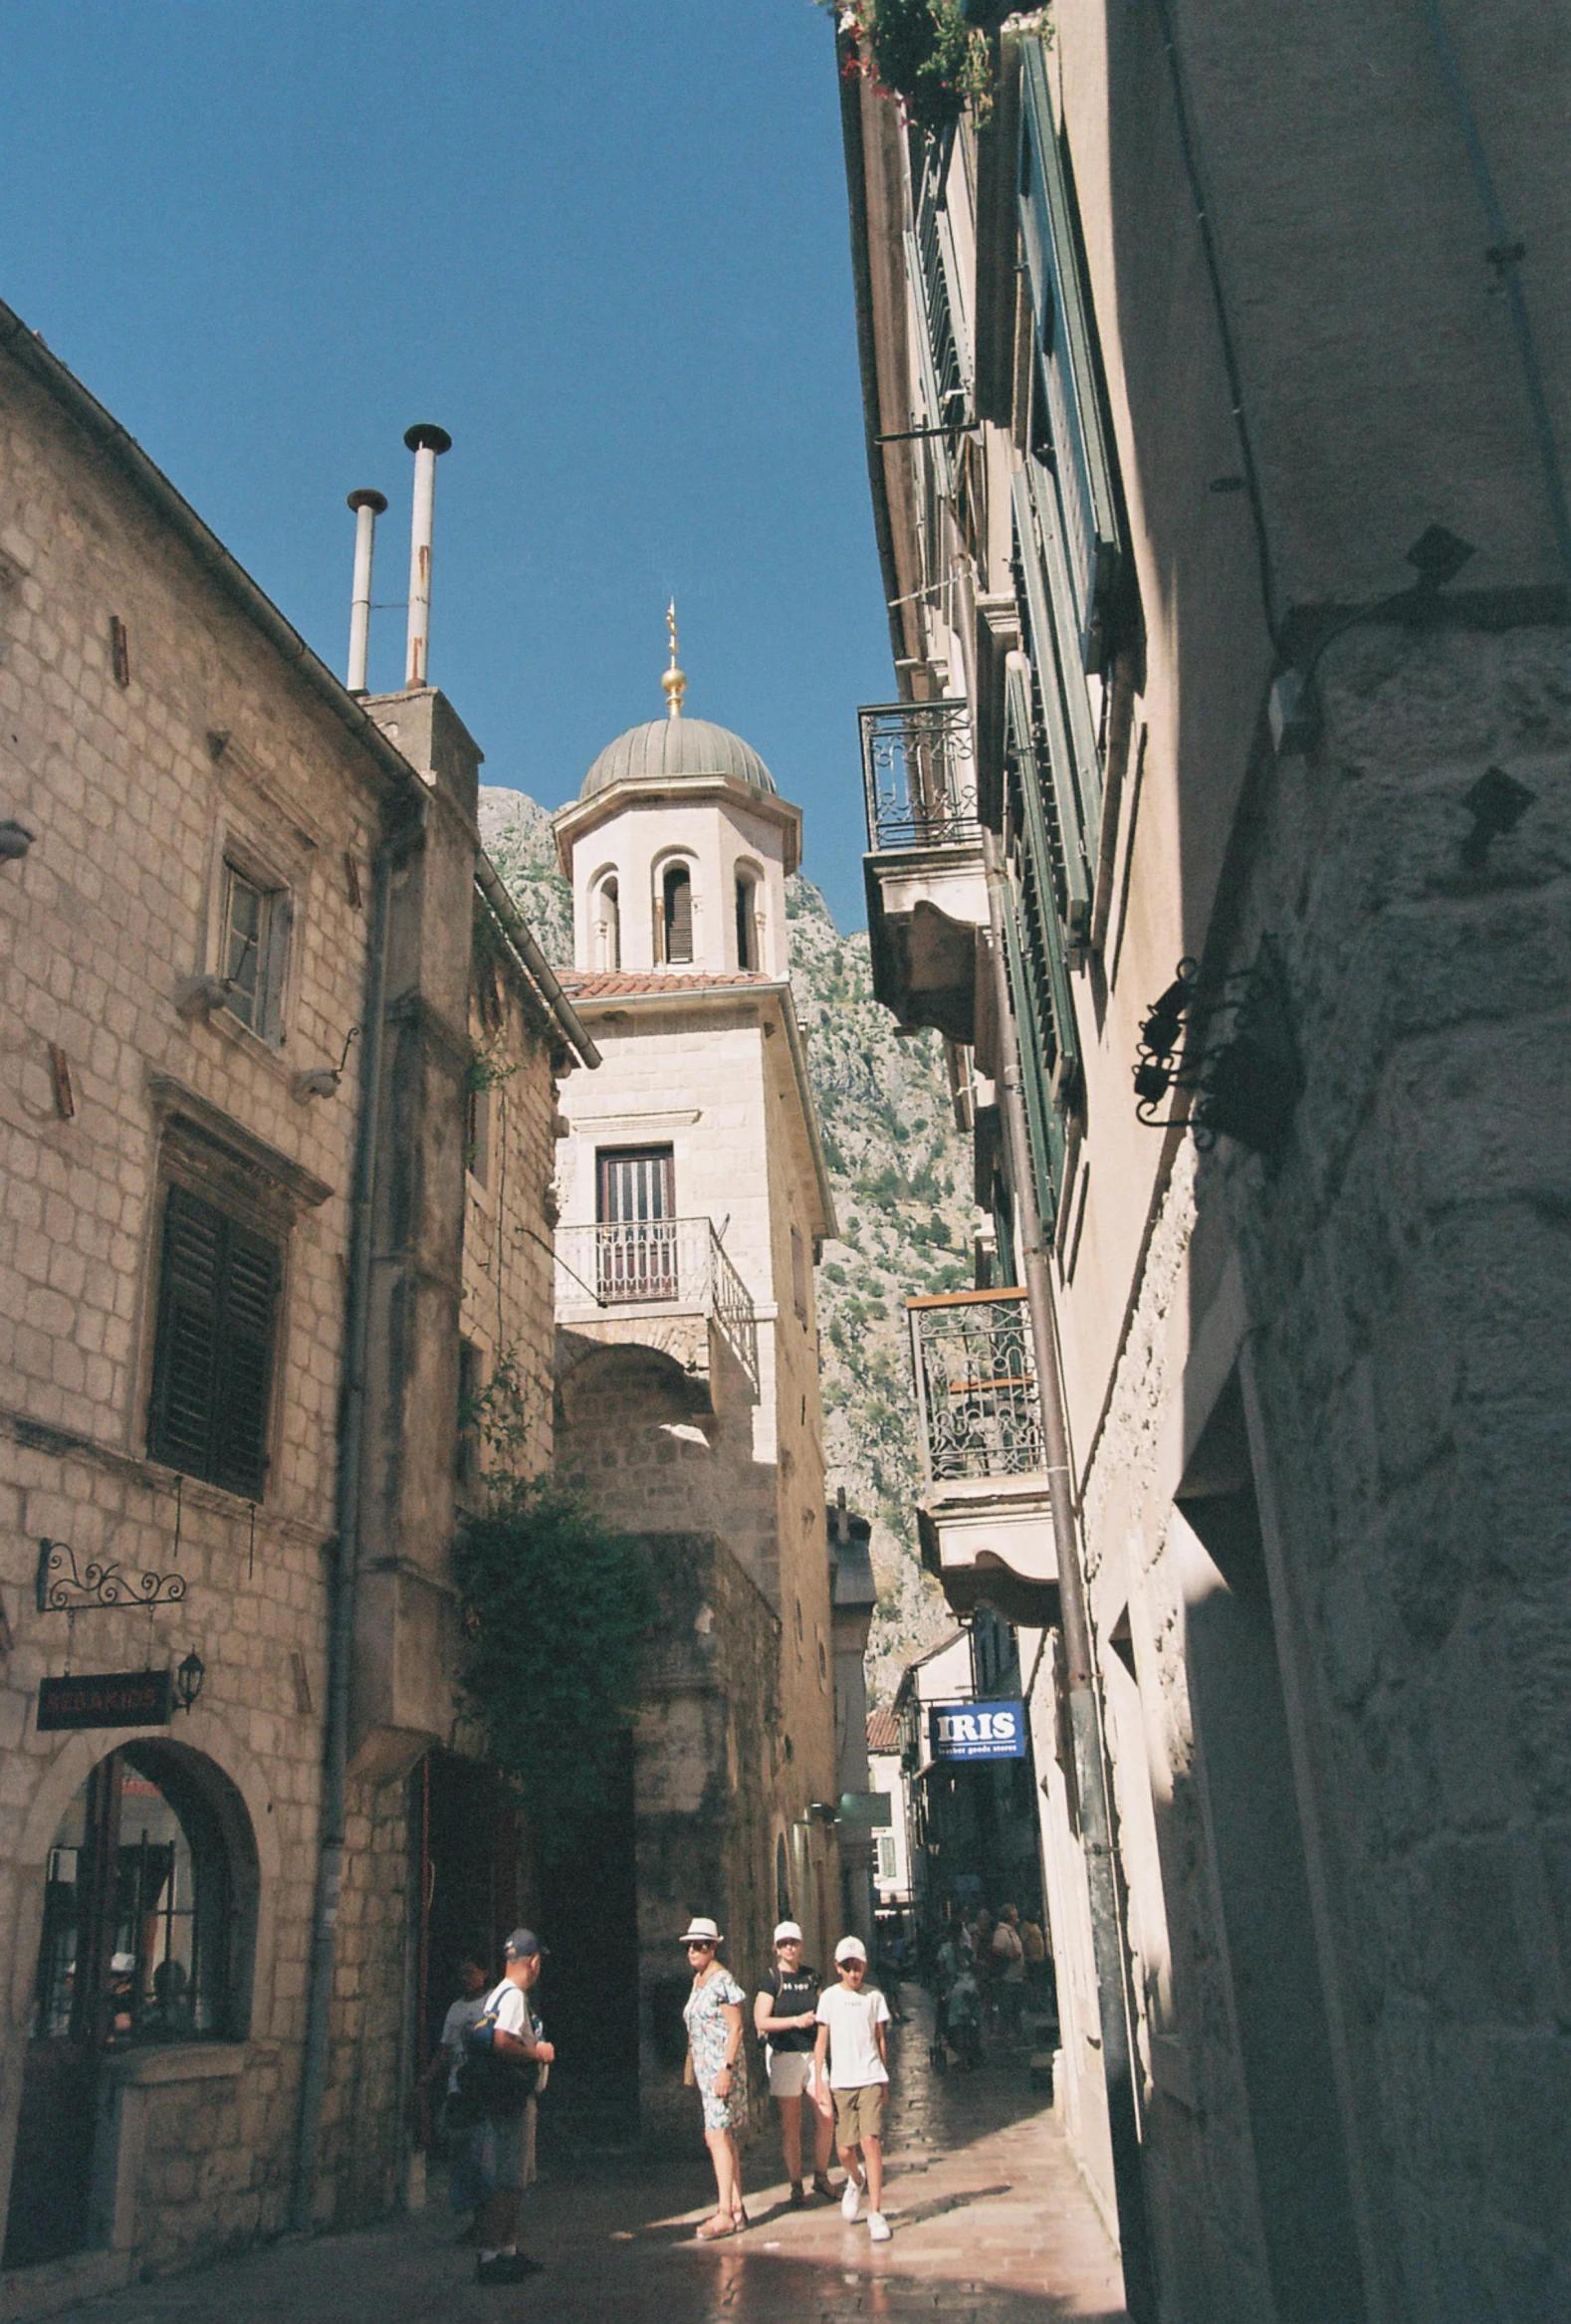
[(657, 1262), (919, 770), (976, 1385)]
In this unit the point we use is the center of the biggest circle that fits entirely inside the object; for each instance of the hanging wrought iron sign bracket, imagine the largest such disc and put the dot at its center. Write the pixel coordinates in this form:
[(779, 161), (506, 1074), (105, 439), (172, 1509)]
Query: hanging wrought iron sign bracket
[(1244, 1077), (102, 1586)]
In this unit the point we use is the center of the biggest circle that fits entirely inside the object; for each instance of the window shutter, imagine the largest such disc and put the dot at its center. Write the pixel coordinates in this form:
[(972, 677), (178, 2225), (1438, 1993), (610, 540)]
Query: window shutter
[(1066, 788), (213, 1363), (1046, 964), (1064, 334), (1044, 1124), (245, 1366), (188, 1312)]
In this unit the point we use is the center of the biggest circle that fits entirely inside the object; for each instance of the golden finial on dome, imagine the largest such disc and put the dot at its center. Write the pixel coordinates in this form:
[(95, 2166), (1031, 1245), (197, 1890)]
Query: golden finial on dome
[(673, 680)]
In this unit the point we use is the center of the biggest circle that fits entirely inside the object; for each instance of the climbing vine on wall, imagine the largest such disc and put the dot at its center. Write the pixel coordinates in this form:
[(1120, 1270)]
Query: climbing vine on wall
[(555, 1607)]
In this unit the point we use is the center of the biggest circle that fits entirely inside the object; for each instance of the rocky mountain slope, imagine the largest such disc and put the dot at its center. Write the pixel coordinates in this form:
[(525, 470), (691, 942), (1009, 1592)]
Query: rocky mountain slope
[(901, 1175)]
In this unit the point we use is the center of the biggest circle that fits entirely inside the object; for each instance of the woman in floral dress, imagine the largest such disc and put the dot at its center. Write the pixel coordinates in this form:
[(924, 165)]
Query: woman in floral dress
[(713, 2013)]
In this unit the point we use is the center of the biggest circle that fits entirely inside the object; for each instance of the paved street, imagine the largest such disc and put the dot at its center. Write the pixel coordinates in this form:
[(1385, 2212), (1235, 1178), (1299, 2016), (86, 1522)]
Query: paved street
[(990, 2222)]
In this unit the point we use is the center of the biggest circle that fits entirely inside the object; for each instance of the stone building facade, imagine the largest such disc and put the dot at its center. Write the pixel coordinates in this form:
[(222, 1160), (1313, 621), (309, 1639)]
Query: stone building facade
[(243, 998), (693, 1201), (1224, 533)]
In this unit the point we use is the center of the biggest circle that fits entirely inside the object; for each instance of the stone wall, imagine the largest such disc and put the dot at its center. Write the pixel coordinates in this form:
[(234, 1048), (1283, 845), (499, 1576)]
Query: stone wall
[(1392, 1300), (151, 732)]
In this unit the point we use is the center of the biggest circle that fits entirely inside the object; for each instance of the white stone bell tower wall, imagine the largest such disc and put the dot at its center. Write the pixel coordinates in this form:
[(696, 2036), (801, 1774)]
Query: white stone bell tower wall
[(711, 828)]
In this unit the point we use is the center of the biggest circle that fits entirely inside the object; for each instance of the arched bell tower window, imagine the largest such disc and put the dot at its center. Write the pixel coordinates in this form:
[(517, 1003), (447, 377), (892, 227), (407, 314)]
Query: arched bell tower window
[(609, 925), (676, 915), (747, 921)]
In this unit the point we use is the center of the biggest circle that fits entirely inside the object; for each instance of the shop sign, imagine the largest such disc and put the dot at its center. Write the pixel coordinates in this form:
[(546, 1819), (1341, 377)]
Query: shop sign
[(977, 1730), (105, 1698)]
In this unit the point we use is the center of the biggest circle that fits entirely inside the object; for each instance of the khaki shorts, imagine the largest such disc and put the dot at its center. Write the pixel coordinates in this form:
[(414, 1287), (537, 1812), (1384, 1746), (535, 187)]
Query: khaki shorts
[(859, 2114)]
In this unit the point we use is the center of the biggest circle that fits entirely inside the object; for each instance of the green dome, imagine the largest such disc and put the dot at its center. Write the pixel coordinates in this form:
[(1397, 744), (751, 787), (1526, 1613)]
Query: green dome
[(677, 747)]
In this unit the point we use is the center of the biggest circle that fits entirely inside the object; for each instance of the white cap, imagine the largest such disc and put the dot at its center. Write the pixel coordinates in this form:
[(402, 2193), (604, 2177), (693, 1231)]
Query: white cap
[(787, 1928), (850, 1949)]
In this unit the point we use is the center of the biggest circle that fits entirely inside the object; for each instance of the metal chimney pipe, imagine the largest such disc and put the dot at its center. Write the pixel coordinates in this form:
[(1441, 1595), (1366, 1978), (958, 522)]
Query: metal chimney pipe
[(425, 442), (367, 505)]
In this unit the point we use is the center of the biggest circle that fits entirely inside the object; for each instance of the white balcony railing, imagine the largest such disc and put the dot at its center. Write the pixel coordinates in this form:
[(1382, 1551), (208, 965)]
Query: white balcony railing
[(660, 1263)]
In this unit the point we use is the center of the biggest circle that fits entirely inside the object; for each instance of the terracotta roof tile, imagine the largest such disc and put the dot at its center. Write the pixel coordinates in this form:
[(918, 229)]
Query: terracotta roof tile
[(883, 1731), (609, 984)]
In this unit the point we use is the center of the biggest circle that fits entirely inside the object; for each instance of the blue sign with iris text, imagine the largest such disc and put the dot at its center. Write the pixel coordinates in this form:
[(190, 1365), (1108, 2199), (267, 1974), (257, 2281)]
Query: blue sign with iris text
[(977, 1730)]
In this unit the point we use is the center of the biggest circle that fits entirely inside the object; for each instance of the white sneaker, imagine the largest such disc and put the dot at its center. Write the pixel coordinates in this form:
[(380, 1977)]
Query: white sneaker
[(878, 2226), (852, 2200)]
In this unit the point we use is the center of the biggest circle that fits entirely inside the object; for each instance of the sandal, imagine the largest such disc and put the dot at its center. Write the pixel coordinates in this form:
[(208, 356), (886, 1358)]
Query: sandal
[(740, 2219), (712, 2229)]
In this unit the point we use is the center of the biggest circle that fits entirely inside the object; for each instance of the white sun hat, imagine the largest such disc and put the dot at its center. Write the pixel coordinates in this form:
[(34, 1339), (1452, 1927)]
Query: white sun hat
[(703, 1932)]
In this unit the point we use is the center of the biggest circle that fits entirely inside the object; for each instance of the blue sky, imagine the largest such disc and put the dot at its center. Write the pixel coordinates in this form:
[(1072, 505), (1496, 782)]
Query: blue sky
[(604, 246)]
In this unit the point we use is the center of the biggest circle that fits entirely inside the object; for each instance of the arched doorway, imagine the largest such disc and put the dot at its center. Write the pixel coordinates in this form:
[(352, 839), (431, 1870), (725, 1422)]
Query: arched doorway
[(149, 1906)]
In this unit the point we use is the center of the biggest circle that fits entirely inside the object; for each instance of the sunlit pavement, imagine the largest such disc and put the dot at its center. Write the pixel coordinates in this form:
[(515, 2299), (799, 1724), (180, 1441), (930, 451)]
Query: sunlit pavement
[(989, 2217)]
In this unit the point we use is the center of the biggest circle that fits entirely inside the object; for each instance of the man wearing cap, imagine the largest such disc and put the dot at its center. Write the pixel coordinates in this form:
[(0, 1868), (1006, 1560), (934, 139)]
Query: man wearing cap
[(516, 2039), (851, 2043), (785, 2016)]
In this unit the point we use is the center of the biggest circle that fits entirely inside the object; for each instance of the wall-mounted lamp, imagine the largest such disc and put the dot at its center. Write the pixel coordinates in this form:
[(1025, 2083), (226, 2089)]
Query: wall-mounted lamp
[(1248, 1080), (15, 840), (188, 1679), (1437, 556)]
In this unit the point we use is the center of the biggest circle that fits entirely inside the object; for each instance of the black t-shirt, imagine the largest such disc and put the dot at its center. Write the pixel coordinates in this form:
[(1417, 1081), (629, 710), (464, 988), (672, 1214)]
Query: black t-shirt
[(792, 1997)]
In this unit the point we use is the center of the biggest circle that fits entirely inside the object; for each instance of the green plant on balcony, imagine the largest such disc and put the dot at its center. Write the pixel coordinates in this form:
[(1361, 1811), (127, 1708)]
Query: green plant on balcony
[(930, 53)]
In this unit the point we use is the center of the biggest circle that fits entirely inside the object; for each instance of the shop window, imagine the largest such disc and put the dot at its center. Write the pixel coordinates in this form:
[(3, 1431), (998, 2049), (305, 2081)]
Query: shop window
[(218, 1290), (149, 1901)]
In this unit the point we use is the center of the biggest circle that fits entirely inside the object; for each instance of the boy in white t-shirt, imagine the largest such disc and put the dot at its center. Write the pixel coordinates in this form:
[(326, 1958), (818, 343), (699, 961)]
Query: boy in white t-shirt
[(851, 2045)]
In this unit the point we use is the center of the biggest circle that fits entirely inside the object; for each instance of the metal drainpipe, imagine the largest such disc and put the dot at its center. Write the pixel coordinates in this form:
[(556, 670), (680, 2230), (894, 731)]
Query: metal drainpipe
[(1096, 1824), (341, 1622)]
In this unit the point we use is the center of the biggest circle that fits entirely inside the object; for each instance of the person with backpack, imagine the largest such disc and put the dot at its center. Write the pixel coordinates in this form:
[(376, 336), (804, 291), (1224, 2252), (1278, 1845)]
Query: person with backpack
[(504, 2052), (784, 2017)]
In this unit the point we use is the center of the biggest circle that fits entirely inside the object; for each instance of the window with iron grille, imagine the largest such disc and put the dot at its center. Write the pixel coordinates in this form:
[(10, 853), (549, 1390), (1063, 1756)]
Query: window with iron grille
[(218, 1290)]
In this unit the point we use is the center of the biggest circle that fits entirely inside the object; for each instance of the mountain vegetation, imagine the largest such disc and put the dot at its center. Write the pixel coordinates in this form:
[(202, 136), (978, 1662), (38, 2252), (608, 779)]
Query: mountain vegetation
[(901, 1175)]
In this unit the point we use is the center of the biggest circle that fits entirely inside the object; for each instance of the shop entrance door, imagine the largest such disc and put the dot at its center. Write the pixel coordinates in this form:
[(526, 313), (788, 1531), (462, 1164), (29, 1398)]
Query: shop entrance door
[(137, 1947), (52, 2176)]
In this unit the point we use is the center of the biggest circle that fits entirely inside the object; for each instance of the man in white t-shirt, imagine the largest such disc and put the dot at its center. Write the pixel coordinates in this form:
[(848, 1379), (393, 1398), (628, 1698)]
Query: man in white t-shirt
[(464, 2142), (851, 2047), (516, 2040)]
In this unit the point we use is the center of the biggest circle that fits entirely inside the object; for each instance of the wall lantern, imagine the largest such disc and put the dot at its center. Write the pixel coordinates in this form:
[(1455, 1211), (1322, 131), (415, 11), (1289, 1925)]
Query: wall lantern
[(1245, 1075), (188, 1679)]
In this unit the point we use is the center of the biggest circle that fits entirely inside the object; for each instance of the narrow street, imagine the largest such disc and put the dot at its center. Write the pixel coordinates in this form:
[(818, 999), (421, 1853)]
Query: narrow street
[(990, 2222)]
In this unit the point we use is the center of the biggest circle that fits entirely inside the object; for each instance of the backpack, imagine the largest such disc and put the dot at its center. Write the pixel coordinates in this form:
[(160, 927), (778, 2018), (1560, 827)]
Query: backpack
[(491, 2088)]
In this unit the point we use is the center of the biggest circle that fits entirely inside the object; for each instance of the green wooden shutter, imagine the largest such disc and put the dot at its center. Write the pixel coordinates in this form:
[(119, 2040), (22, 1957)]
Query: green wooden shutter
[(213, 1362), (1082, 455), (1043, 1126), (245, 1362), (1073, 769), (189, 1292), (1042, 934)]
